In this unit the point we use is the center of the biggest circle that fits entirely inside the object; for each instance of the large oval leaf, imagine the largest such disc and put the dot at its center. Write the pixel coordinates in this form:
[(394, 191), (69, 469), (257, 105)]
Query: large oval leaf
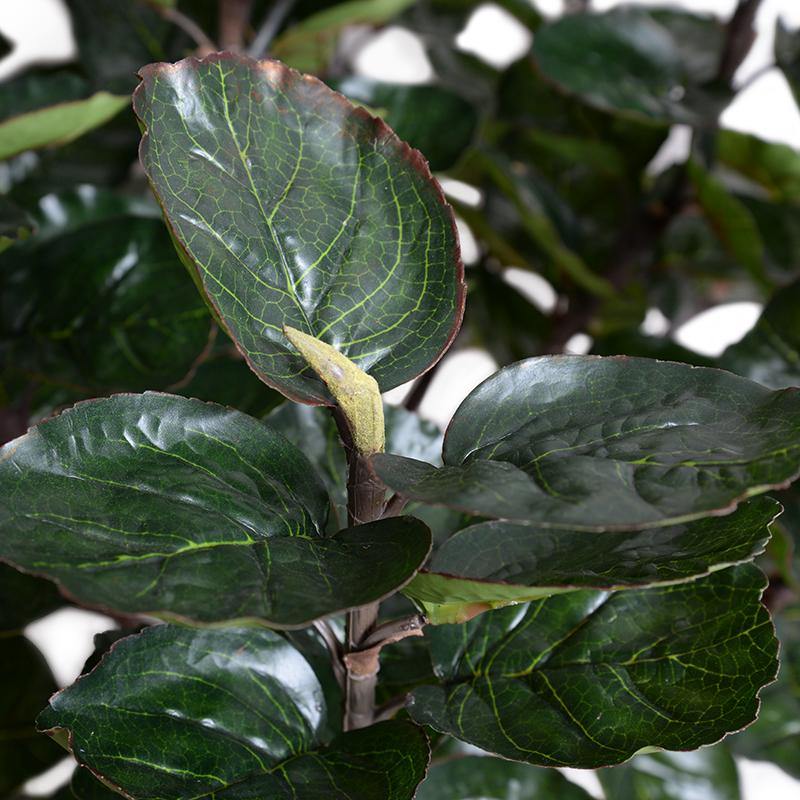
[(230, 713), (498, 563), (293, 207), (589, 678), (591, 443), (163, 505)]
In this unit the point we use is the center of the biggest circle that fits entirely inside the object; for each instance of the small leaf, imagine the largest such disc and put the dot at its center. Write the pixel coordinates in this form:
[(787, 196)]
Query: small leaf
[(352, 244), (587, 679), (58, 124), (167, 502), (500, 563), (25, 686), (770, 352), (15, 224), (495, 779), (590, 443), (709, 773), (231, 712)]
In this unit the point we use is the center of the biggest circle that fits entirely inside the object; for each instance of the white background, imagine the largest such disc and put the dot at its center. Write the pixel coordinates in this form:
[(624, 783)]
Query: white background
[(39, 29)]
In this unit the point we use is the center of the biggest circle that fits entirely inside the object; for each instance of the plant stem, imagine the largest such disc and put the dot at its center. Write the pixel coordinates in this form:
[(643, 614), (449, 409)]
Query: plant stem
[(189, 27), (365, 501), (234, 16), (270, 27)]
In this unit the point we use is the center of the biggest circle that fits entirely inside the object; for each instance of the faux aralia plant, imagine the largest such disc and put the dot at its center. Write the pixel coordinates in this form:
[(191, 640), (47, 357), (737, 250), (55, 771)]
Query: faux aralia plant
[(601, 600)]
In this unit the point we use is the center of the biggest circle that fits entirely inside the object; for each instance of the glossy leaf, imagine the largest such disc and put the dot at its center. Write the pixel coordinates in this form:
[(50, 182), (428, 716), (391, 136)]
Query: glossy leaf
[(352, 243), (124, 316), (231, 712), (495, 779), (770, 352), (615, 443), (589, 678), (25, 686), (58, 124), (310, 44), (775, 735), (706, 774), (24, 599), (155, 503), (499, 563), (625, 60), (436, 121)]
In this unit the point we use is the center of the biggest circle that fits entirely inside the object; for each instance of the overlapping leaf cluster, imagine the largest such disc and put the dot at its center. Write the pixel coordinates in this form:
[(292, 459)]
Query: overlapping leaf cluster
[(581, 541)]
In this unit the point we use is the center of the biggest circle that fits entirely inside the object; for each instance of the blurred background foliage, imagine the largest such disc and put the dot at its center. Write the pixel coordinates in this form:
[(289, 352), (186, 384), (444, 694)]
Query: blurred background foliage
[(551, 167)]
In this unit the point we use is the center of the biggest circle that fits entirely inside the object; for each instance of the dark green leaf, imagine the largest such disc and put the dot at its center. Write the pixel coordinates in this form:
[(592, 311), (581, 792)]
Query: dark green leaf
[(123, 316), (435, 120), (39, 88), (353, 243), (627, 60), (773, 166), (770, 352), (706, 774), (230, 713), (775, 735), (499, 563), (589, 678), (24, 598), (731, 221), (593, 443), (84, 786), (495, 779), (25, 686), (162, 503), (58, 124)]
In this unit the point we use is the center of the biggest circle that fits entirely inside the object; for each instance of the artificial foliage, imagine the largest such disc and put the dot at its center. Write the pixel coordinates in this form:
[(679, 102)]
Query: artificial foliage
[(220, 244)]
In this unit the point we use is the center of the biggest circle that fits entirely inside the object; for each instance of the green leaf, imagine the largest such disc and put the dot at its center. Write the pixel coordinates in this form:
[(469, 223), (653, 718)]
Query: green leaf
[(25, 686), (24, 599), (731, 221), (787, 55), (310, 44), (231, 713), (775, 735), (58, 124), (500, 563), (709, 773), (626, 60), (488, 778), (167, 502), (591, 443), (433, 119), (587, 679), (124, 315), (773, 166), (352, 244), (770, 352), (84, 786)]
